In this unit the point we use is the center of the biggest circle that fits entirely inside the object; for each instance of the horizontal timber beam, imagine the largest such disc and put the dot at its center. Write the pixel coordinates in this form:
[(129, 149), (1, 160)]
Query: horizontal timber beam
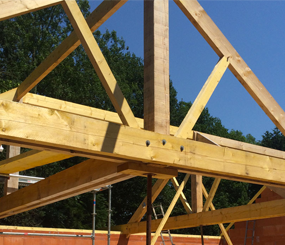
[(41, 128), (140, 169), (10, 9), (30, 159), (81, 178), (46, 102), (234, 214), (219, 43), (106, 9)]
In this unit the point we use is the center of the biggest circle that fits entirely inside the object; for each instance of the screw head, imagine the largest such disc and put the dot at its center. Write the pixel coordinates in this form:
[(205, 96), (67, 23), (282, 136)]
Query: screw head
[(163, 142), (182, 148), (147, 143)]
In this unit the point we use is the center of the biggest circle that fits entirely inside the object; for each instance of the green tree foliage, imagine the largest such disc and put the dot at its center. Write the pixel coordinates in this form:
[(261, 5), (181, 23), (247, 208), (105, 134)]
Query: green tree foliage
[(24, 43), (274, 139)]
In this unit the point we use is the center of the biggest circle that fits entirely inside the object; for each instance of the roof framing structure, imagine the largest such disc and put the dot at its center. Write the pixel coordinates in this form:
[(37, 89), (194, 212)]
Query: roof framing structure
[(57, 130)]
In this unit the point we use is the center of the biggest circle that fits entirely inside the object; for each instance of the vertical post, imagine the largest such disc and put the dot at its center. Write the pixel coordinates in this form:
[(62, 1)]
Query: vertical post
[(94, 216), (156, 78), (156, 66), (196, 193), (149, 209), (11, 185), (109, 216)]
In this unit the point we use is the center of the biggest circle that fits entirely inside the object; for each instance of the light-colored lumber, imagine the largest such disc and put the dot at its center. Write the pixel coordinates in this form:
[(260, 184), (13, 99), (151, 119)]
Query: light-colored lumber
[(106, 9), (87, 111), (30, 159), (249, 203), (196, 193), (182, 196), (169, 209), (255, 211), (211, 33), (202, 99), (156, 66), (81, 178), (99, 63), (234, 144), (12, 185), (41, 128), (13, 8), (141, 210), (211, 195), (140, 169), (212, 207)]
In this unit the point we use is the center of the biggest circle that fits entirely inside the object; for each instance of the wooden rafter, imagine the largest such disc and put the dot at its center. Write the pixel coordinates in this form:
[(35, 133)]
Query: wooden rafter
[(221, 226), (30, 159), (99, 63), (10, 9), (42, 128), (106, 9), (81, 178), (211, 33), (234, 214), (78, 179)]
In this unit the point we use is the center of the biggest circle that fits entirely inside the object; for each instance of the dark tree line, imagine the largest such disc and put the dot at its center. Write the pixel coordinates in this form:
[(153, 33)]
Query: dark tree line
[(25, 42)]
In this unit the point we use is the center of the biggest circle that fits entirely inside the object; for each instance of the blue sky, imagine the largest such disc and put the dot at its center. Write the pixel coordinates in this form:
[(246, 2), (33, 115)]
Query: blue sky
[(257, 31)]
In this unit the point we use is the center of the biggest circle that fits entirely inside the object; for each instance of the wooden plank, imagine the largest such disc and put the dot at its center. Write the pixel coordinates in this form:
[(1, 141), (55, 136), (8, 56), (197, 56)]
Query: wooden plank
[(10, 9), (41, 128), (30, 159), (81, 178), (211, 33), (169, 210), (106, 9), (255, 211), (156, 66), (234, 144), (211, 195), (196, 193), (141, 169), (12, 185), (99, 63), (202, 99), (182, 196), (249, 203), (141, 210), (221, 226)]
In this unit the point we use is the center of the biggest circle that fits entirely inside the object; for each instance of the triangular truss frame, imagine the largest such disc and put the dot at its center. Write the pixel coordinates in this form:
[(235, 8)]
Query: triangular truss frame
[(120, 149)]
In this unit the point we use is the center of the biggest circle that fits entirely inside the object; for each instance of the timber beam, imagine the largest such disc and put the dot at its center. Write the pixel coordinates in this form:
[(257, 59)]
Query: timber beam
[(30, 159), (81, 178), (43, 129), (234, 214), (81, 110), (11, 9)]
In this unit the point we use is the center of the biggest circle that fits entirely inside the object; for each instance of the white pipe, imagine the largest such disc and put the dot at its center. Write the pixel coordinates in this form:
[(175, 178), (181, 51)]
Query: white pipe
[(26, 177)]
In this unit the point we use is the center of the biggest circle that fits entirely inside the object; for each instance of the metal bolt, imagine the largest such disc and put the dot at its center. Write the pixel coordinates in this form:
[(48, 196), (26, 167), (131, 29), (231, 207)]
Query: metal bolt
[(182, 148), (147, 143), (163, 142)]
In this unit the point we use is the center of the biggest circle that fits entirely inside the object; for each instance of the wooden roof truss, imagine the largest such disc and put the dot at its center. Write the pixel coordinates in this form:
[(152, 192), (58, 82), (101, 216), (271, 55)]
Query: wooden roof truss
[(123, 146)]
